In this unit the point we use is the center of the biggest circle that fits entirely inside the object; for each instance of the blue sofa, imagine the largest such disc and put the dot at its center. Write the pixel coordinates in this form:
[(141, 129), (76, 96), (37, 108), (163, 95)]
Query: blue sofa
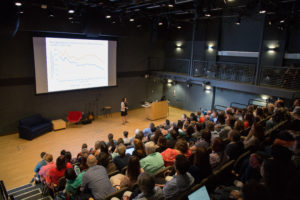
[(34, 126)]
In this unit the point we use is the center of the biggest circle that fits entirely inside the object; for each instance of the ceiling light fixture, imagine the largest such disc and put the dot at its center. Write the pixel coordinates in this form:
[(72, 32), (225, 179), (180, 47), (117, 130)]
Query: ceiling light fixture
[(282, 21), (170, 5), (179, 27), (160, 24), (18, 3), (71, 11), (131, 19), (238, 21), (107, 16), (262, 11), (207, 14)]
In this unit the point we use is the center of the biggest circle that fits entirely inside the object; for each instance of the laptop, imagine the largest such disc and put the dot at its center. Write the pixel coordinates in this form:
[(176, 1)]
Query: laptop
[(129, 150), (200, 194)]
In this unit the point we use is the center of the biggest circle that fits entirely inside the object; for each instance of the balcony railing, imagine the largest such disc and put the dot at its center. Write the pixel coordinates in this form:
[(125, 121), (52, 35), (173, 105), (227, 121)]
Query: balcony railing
[(280, 77)]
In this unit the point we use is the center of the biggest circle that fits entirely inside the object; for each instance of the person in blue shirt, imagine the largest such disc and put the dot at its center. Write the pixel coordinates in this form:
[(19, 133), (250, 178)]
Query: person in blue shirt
[(38, 166)]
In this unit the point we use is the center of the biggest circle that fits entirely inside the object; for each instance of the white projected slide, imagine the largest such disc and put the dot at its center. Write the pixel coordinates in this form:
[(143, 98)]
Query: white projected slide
[(76, 63)]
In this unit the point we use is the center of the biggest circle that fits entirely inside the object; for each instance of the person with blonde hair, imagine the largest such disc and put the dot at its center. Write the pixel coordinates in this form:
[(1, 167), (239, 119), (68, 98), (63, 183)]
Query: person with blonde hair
[(122, 159)]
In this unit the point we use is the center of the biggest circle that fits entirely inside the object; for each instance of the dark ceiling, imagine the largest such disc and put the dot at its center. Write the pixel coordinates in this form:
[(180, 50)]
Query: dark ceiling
[(162, 12)]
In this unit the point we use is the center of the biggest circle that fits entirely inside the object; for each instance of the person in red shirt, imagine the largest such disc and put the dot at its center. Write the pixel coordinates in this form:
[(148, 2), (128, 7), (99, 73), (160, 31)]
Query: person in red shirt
[(181, 147), (54, 174)]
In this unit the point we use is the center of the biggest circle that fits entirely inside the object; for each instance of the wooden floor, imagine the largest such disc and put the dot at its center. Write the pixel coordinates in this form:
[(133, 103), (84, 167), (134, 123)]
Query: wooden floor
[(19, 157)]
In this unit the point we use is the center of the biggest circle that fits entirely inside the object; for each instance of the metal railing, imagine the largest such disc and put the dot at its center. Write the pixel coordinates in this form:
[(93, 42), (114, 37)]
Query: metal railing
[(280, 77), (238, 72)]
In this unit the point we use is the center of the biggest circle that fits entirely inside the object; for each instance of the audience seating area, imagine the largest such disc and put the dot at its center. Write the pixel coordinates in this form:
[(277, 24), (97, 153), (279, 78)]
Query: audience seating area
[(236, 154)]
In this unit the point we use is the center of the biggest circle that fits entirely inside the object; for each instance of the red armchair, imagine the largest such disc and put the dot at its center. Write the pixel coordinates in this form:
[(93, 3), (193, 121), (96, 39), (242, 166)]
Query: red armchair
[(74, 117)]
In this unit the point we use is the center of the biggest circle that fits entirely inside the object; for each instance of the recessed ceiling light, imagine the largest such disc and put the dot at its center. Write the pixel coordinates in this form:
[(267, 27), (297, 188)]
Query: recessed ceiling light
[(71, 11), (18, 3), (21, 12), (131, 19), (114, 22), (179, 27), (107, 16), (70, 18), (160, 24), (262, 11), (170, 5), (282, 21), (139, 26), (207, 15)]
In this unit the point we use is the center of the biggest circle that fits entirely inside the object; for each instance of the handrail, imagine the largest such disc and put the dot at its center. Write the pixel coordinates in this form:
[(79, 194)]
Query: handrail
[(258, 100), (3, 191), (231, 104), (220, 106)]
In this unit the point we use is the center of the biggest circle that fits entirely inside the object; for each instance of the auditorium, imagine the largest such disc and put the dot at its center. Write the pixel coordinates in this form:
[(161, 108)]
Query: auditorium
[(150, 99)]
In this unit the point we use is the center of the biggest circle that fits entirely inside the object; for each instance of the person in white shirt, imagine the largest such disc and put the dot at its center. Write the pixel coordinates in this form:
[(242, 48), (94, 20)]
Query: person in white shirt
[(124, 109)]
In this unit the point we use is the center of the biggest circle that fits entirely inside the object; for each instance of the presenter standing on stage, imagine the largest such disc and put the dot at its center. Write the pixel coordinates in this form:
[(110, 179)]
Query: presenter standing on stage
[(124, 108)]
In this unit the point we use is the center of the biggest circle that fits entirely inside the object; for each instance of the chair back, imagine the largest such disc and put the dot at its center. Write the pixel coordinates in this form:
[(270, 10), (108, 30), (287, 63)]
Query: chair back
[(74, 116)]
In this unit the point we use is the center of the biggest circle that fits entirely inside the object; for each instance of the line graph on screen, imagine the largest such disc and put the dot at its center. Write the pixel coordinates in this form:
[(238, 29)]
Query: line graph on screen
[(76, 63)]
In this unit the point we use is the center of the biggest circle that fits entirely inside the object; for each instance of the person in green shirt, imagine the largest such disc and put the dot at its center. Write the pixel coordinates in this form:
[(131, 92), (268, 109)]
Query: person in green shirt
[(73, 182), (153, 161)]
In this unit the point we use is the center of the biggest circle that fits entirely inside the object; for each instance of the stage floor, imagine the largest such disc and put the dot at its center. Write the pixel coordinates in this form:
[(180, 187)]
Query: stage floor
[(19, 157)]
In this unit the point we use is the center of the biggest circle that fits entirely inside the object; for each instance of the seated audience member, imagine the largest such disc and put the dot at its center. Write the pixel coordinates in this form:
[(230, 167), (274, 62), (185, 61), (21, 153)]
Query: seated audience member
[(83, 146), (236, 147), (68, 157), (84, 153), (73, 182), (50, 164), (122, 159), (167, 124), (213, 116), (238, 114), (295, 122), (103, 147), (248, 120), (133, 171), (105, 161), (39, 165), (255, 136), (281, 179), (54, 174), (139, 149), (189, 132), (220, 122), (197, 131), (229, 124), (150, 130), (62, 152), (279, 116), (146, 184), (172, 139), (96, 149), (83, 164), (200, 167), (127, 141), (238, 125), (218, 157), (181, 181), (111, 144), (205, 139), (162, 144), (95, 180), (156, 135), (181, 147), (259, 113), (153, 161), (139, 135)]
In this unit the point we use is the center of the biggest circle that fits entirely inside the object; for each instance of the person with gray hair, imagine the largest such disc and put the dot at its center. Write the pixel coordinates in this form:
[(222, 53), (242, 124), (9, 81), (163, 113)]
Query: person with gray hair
[(153, 161), (95, 180)]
